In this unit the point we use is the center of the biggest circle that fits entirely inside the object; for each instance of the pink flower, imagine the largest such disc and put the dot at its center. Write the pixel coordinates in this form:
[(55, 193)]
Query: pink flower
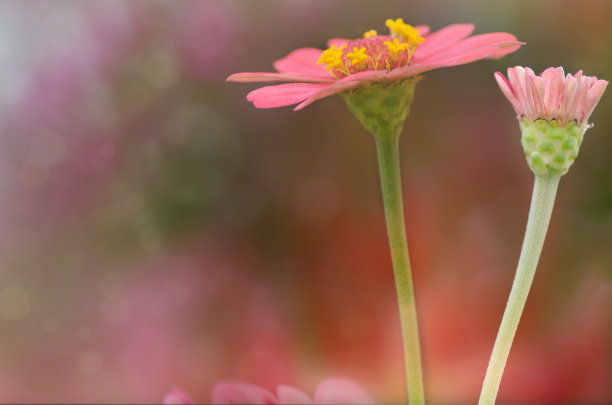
[(347, 64), (551, 96), (330, 391)]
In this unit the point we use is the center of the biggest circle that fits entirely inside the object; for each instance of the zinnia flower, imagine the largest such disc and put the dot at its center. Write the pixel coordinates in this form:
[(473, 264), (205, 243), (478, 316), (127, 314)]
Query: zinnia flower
[(348, 64), (330, 391), (553, 110)]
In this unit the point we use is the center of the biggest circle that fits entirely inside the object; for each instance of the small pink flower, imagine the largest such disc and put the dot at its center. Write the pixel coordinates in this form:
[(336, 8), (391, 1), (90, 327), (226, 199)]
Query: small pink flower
[(330, 391), (348, 64), (551, 96)]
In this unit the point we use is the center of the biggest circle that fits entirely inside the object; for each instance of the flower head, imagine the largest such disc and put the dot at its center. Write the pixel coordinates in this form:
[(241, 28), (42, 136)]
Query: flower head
[(553, 111), (551, 95), (330, 391), (351, 64)]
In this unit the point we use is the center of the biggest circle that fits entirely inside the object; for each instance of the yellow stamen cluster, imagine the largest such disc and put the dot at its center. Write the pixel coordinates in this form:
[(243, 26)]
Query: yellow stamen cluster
[(332, 57), (396, 47), (372, 52), (404, 31), (358, 57)]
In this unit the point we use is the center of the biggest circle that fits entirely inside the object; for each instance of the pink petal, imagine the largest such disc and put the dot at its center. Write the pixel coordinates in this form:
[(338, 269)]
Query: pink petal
[(477, 54), (579, 77), (505, 49), (595, 93), (284, 94), (581, 96), (338, 87), (409, 71), (535, 91), (475, 48), (367, 76), (442, 39), (569, 94), (553, 87), (274, 77), (303, 61), (338, 42), (177, 397), (506, 88), (468, 56), (423, 29), (341, 391), (485, 40), (462, 57), (236, 392), (291, 395), (516, 76)]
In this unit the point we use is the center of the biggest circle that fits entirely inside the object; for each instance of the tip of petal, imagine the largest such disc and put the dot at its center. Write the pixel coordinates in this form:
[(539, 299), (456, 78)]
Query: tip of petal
[(232, 78), (510, 44)]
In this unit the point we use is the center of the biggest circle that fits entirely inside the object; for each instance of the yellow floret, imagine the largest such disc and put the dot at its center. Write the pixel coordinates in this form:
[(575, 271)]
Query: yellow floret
[(358, 56), (332, 57), (370, 33), (396, 47), (405, 32)]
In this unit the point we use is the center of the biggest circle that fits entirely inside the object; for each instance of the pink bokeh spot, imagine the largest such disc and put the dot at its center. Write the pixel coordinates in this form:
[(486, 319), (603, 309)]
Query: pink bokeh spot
[(551, 95), (341, 391), (177, 397), (450, 46), (335, 390), (237, 392)]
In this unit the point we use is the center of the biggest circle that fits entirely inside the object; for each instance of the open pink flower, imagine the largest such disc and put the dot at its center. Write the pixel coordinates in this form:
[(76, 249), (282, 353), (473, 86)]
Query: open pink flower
[(330, 391), (552, 95), (348, 64)]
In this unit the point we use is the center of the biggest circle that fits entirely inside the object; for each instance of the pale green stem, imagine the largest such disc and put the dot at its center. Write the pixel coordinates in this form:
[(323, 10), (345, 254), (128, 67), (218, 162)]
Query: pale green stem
[(390, 177), (542, 201)]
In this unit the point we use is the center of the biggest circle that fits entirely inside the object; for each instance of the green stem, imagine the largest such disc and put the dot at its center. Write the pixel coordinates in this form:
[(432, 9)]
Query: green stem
[(390, 177), (542, 201)]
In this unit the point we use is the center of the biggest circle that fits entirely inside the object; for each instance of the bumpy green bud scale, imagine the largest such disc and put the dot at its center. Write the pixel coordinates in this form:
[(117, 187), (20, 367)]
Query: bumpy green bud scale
[(382, 107), (549, 146)]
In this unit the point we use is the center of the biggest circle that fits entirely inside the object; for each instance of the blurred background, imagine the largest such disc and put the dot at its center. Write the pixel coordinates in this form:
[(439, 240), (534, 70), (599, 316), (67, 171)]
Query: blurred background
[(158, 230)]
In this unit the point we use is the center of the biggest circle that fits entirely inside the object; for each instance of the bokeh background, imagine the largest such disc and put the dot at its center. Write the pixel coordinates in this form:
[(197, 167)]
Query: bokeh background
[(157, 230)]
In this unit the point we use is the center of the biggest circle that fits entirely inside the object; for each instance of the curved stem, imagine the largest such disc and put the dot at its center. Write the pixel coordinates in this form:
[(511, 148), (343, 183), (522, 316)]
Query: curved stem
[(390, 177), (542, 201)]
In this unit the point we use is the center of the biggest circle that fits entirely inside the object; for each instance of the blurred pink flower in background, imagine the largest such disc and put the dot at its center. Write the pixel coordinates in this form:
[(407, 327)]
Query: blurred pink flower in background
[(206, 35), (330, 391), (73, 113), (58, 133), (177, 397)]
